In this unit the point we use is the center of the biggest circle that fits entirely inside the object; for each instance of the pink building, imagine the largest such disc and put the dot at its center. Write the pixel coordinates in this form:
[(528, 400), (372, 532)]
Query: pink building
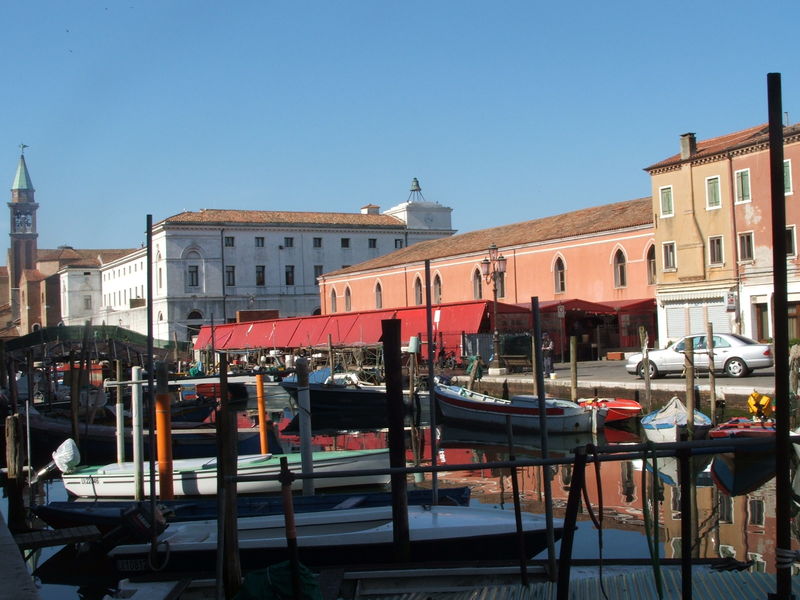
[(597, 263)]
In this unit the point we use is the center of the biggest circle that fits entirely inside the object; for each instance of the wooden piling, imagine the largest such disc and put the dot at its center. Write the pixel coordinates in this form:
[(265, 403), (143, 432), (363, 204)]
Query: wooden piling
[(573, 367), (689, 358), (164, 433), (262, 414), (397, 451), (712, 377)]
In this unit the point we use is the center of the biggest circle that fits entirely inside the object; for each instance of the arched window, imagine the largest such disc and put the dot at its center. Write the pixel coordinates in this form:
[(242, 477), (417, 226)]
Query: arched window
[(347, 300), (651, 266), (620, 270), (333, 301), (418, 291), (560, 275), (194, 315), (378, 296), (477, 285), (437, 290)]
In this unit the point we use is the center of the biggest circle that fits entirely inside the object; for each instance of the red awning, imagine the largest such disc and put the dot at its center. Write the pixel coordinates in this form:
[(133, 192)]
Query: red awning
[(367, 328), (577, 304), (338, 327), (465, 317), (309, 332), (642, 304)]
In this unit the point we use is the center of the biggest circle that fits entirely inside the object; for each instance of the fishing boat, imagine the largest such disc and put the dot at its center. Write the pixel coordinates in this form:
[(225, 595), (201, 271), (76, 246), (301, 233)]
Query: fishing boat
[(666, 424), (742, 427), (460, 405), (617, 409), (198, 476), (344, 537), (108, 514)]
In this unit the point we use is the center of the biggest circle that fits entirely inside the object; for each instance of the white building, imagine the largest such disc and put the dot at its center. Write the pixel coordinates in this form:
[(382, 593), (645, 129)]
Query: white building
[(210, 264)]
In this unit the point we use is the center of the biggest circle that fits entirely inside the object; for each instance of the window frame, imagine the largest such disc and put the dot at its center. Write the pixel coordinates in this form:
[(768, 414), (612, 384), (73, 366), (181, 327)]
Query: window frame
[(788, 188), (559, 276), (477, 284), (746, 235), (398, 243), (230, 275), (712, 240), (437, 289), (620, 270), (737, 178), (651, 265), (718, 179), (259, 241), (288, 242), (791, 233), (317, 242), (318, 271), (229, 241), (261, 275), (345, 242), (193, 276), (288, 275), (661, 191), (378, 296), (372, 243), (674, 251)]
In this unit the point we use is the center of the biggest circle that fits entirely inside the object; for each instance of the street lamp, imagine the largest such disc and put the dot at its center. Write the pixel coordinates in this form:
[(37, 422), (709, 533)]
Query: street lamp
[(492, 269)]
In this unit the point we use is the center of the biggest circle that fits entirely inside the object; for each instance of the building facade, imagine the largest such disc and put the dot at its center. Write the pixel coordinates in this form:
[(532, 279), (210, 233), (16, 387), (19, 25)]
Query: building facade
[(600, 255), (209, 265), (712, 207)]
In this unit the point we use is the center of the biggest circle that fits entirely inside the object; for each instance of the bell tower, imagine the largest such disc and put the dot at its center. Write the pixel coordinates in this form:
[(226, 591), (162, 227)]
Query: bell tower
[(22, 230)]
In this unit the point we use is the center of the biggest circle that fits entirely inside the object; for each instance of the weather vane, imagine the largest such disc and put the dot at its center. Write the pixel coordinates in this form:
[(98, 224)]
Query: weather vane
[(22, 148)]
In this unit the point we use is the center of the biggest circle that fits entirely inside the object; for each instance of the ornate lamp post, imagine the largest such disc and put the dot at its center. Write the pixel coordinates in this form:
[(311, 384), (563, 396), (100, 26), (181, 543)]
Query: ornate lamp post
[(492, 269)]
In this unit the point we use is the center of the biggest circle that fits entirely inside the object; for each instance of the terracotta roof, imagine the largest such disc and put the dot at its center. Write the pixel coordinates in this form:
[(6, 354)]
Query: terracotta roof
[(726, 143), (34, 275), (82, 256), (619, 215), (268, 217)]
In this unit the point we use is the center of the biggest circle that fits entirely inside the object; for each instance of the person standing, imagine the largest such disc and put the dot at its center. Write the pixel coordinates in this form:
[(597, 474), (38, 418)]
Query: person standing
[(547, 354)]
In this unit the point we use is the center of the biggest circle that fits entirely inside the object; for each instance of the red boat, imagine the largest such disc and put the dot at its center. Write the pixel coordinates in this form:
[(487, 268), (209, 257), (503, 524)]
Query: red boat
[(744, 428), (618, 409)]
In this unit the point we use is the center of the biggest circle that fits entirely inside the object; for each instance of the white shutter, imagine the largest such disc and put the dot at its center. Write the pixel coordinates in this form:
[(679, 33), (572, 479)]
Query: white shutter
[(676, 323), (719, 316), (697, 321)]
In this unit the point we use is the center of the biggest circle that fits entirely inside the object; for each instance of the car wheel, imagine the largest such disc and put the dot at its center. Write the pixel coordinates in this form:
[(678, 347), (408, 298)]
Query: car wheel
[(736, 367), (653, 370)]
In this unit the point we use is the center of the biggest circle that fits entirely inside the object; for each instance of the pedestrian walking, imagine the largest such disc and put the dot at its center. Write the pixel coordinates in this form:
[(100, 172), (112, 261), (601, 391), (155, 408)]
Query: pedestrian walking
[(547, 354)]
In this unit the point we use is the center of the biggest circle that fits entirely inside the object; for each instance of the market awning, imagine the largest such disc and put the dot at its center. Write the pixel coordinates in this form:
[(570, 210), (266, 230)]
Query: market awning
[(367, 328), (577, 304), (642, 304), (309, 332)]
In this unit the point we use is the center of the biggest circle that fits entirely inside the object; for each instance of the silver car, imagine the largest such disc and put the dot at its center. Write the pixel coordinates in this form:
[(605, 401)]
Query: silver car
[(734, 355)]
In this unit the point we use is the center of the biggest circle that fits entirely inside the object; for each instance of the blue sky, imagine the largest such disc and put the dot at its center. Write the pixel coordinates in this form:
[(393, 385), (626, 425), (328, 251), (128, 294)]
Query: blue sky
[(505, 111)]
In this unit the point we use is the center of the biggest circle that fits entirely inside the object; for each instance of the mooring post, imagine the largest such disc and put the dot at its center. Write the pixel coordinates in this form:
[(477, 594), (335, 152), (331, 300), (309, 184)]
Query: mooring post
[(689, 366), (712, 377), (304, 400), (397, 451), (164, 433), (570, 520), (137, 434), (227, 434), (286, 479), (120, 416), (684, 476), (573, 367), (262, 414)]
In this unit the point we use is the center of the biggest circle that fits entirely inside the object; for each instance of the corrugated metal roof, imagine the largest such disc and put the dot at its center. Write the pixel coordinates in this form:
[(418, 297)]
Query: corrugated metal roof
[(633, 585)]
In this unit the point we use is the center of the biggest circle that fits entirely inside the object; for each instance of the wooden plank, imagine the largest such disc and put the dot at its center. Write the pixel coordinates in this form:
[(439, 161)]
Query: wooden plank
[(56, 537)]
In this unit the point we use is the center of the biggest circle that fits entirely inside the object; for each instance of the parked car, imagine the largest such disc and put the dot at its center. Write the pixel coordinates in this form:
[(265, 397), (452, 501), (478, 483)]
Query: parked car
[(735, 355)]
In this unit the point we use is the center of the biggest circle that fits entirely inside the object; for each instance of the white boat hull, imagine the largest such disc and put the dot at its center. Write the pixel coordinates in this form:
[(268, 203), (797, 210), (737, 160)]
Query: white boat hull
[(198, 477)]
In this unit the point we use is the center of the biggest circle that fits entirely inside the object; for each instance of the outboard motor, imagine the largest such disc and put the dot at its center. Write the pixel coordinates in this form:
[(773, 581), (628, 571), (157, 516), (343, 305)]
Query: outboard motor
[(65, 458)]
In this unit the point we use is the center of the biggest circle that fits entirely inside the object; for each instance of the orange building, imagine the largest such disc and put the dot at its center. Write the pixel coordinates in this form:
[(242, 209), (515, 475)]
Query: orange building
[(598, 263)]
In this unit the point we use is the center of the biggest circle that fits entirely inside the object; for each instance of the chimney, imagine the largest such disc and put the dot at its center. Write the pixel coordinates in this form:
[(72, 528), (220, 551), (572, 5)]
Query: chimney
[(370, 209), (688, 145)]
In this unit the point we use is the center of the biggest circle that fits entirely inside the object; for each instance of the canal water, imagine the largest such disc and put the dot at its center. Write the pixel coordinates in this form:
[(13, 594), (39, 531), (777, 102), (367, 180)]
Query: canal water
[(734, 494)]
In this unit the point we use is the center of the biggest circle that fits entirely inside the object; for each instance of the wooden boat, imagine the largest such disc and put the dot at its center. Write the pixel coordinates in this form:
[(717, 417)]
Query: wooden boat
[(618, 409), (198, 476), (743, 471), (665, 424), (461, 405), (344, 537), (742, 427), (107, 514)]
